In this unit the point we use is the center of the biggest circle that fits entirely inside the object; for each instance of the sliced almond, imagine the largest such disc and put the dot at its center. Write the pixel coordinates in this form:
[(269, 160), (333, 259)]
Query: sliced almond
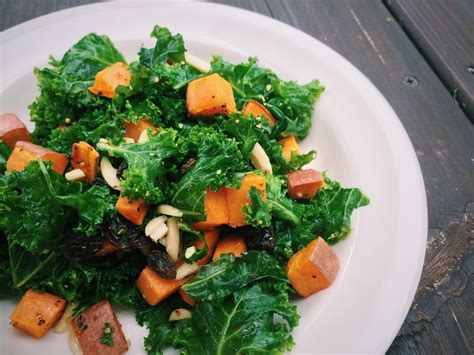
[(197, 63), (162, 241), (75, 175), (189, 252), (109, 173), (172, 239), (65, 322), (159, 232), (180, 314), (169, 211), (128, 140), (153, 224), (144, 137), (74, 343), (185, 270), (260, 159)]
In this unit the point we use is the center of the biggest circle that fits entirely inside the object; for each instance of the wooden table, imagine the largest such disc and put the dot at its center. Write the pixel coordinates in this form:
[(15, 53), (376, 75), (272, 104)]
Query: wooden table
[(420, 55)]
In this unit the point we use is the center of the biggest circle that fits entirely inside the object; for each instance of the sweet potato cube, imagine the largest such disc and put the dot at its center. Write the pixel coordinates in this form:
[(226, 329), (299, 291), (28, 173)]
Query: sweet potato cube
[(25, 152), (13, 130), (135, 130), (313, 268), (107, 80), (215, 205), (232, 244), (90, 326), (236, 198), (289, 145), (155, 288), (37, 312), (304, 184), (134, 211), (257, 109), (186, 298), (86, 158), (209, 96), (211, 237)]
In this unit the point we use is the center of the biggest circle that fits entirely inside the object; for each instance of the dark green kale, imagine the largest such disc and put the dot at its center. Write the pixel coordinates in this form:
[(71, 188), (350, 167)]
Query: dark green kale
[(5, 152), (228, 273), (149, 163), (107, 332), (290, 103), (167, 47), (258, 213)]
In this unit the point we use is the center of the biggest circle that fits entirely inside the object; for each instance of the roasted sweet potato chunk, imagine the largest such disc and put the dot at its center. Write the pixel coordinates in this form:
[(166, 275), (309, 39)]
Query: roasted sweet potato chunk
[(86, 158), (155, 288), (134, 211), (135, 130), (107, 80), (37, 312), (304, 184), (289, 145), (13, 130), (236, 198), (232, 244), (313, 268), (257, 109), (215, 205), (91, 326), (209, 96), (25, 152)]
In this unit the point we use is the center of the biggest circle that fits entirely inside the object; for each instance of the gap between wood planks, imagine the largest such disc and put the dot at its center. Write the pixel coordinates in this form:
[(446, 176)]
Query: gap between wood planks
[(427, 58)]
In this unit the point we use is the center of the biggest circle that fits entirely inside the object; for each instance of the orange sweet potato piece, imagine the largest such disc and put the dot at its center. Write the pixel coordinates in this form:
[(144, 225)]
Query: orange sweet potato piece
[(209, 96), (25, 152), (134, 211), (313, 268), (186, 298), (232, 244), (155, 288), (86, 158), (107, 248), (89, 327), (135, 130), (107, 80), (215, 205), (257, 109), (13, 130), (211, 237), (304, 184), (37, 312), (289, 145), (236, 198)]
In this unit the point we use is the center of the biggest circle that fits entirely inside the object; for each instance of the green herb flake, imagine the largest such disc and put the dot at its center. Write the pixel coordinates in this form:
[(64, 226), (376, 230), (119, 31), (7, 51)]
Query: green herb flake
[(107, 332)]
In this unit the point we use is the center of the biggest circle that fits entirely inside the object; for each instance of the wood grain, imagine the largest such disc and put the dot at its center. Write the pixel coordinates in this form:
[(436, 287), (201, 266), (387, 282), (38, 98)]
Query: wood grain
[(365, 32), (443, 33)]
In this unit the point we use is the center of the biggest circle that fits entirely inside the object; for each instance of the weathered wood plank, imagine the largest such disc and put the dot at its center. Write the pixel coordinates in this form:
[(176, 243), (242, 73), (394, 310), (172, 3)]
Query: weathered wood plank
[(367, 34), (14, 12), (442, 31), (259, 6)]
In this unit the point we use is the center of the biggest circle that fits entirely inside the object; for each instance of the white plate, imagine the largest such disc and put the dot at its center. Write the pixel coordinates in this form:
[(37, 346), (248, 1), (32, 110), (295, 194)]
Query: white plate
[(360, 141)]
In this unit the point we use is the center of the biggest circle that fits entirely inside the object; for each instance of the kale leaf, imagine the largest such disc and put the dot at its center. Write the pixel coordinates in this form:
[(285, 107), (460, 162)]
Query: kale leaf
[(5, 152), (167, 47), (225, 275), (258, 213)]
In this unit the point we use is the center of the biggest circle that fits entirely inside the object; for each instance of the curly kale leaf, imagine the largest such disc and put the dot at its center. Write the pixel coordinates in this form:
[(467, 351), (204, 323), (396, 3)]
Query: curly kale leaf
[(148, 164), (258, 213), (5, 152), (228, 274), (289, 102), (167, 47)]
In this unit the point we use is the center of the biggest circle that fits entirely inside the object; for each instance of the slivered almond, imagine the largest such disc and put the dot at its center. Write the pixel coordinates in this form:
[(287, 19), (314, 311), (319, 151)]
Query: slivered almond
[(75, 175), (260, 159), (169, 211), (155, 222), (65, 322), (109, 173), (190, 252), (197, 63), (159, 232), (144, 137), (172, 239), (185, 270), (128, 140), (179, 314)]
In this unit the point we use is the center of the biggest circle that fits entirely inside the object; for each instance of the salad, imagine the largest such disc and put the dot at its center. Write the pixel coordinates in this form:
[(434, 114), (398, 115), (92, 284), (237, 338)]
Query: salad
[(170, 186)]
